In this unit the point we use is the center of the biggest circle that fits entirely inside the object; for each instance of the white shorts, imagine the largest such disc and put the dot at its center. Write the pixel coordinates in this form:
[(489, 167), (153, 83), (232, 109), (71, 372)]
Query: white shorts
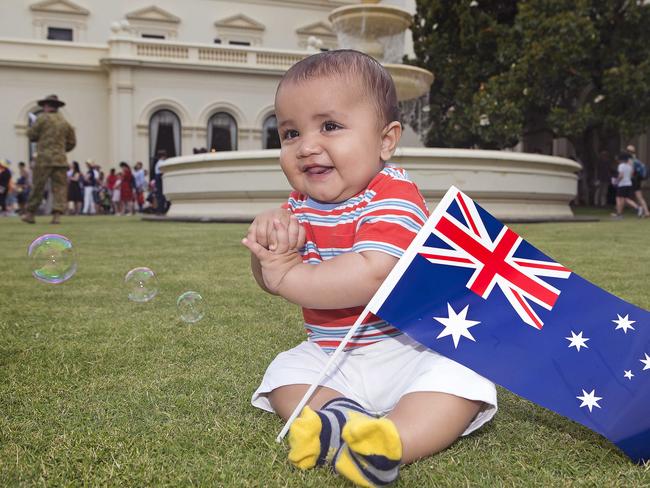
[(377, 376)]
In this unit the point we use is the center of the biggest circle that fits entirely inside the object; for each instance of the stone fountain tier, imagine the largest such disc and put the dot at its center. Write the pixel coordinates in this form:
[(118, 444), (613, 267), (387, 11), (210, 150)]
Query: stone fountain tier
[(238, 185), (410, 81), (378, 30), (370, 22)]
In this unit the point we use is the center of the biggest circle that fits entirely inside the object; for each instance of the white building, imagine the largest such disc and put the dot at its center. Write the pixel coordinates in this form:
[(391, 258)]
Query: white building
[(139, 75)]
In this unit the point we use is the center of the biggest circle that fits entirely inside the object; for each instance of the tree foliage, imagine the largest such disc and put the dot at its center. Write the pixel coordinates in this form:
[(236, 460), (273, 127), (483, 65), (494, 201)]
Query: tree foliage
[(505, 68)]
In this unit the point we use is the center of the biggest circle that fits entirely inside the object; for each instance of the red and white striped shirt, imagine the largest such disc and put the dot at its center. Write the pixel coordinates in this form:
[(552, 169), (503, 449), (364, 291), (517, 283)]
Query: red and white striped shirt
[(385, 217)]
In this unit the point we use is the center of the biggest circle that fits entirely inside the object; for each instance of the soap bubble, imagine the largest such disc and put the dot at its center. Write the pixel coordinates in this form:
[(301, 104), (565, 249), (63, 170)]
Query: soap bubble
[(141, 284), (190, 307), (52, 258)]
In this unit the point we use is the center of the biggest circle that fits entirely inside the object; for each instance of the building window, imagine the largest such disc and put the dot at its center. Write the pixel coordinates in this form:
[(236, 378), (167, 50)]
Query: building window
[(59, 34), (270, 136), (240, 30), (222, 132), (217, 41), (153, 36), (164, 133)]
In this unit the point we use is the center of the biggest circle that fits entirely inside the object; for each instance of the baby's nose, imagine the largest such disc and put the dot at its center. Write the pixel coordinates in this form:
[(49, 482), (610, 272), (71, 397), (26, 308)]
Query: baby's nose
[(309, 146)]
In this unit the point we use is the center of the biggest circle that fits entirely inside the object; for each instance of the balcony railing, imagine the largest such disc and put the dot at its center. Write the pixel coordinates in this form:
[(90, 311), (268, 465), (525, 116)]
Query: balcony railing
[(127, 48), (132, 50)]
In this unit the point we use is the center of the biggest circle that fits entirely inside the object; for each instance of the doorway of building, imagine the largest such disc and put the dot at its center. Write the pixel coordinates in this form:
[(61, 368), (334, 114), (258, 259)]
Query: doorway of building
[(164, 133)]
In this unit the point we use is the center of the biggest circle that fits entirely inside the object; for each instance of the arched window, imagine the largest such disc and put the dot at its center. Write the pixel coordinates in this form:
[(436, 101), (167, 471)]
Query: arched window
[(270, 137), (222, 132), (164, 133)]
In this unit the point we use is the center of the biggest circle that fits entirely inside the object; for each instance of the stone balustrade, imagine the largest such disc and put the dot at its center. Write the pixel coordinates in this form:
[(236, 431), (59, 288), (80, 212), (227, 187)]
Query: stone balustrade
[(132, 50)]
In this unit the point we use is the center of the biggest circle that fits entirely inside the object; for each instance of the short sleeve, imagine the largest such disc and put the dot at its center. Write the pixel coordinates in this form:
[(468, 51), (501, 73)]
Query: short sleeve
[(293, 201), (391, 219)]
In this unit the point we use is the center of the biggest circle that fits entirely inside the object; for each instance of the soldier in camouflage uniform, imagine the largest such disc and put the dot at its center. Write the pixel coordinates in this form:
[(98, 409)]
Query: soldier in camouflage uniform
[(54, 136)]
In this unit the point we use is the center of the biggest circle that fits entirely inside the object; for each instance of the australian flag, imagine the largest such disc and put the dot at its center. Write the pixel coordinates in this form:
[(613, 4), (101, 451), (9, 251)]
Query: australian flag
[(471, 289)]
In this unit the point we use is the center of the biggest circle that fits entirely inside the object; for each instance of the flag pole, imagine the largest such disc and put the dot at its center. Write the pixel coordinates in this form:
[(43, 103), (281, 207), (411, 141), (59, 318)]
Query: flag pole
[(314, 385)]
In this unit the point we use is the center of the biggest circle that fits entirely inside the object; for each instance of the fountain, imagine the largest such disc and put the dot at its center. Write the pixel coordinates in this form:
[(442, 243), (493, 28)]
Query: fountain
[(238, 185), (378, 30)]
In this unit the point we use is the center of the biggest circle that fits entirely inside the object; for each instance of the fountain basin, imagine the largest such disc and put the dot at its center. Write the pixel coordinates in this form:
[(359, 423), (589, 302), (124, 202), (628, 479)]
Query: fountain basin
[(370, 21), (237, 185), (410, 81)]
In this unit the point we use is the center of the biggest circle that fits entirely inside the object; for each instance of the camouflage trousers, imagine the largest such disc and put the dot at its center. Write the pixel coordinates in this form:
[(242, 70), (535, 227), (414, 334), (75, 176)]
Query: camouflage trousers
[(59, 185)]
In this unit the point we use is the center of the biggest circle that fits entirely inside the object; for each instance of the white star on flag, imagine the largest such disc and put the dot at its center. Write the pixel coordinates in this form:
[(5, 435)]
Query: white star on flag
[(628, 374), (456, 325), (646, 362), (624, 323), (589, 399), (577, 341)]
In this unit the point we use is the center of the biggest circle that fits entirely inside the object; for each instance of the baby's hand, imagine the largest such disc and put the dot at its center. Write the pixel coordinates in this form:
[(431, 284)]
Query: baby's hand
[(262, 231), (276, 264), (287, 237)]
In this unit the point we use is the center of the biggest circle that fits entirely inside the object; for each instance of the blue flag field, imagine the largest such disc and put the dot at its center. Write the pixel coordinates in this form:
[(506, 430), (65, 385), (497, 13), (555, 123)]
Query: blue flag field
[(471, 289)]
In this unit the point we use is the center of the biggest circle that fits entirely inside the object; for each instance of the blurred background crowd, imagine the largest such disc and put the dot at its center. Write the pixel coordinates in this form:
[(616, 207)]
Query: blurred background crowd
[(125, 190)]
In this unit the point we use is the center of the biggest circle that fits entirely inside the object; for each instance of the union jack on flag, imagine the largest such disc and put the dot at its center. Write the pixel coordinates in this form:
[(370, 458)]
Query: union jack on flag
[(495, 261), (463, 288)]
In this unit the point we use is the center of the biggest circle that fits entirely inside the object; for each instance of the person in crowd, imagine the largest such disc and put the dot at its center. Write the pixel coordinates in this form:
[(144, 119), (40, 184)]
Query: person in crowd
[(111, 179), (612, 187), (390, 401), (105, 200), (90, 187), (127, 189), (161, 202), (54, 136), (624, 193), (140, 177), (75, 189), (116, 195), (101, 185), (640, 174), (23, 186), (5, 185), (150, 201)]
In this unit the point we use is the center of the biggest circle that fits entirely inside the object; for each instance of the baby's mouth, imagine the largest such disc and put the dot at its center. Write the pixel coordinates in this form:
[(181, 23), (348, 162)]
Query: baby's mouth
[(317, 170)]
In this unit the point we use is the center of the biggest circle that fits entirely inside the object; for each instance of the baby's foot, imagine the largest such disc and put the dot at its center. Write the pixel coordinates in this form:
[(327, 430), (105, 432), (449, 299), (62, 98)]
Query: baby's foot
[(315, 437), (371, 453)]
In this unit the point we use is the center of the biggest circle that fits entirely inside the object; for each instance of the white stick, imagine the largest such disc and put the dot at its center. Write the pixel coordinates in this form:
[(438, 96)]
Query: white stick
[(326, 369)]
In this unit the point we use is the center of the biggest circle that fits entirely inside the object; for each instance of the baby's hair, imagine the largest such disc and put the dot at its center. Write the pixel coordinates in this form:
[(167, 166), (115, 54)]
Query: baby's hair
[(373, 78)]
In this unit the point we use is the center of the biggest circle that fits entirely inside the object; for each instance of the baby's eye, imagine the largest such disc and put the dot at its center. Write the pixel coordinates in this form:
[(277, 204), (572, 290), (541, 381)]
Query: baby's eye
[(330, 126), (289, 134)]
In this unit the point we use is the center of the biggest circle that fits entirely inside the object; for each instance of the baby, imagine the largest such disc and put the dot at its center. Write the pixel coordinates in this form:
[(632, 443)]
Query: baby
[(328, 249)]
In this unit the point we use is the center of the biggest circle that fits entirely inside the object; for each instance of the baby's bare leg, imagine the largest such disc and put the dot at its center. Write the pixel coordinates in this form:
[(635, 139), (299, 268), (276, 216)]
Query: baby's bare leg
[(429, 422), (284, 399)]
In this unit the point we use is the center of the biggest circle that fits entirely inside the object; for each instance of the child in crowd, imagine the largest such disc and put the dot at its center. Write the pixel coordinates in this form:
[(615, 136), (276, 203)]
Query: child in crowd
[(116, 196), (347, 222)]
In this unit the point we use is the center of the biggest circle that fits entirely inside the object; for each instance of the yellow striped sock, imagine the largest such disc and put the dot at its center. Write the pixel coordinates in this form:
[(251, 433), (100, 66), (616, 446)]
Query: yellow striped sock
[(315, 437), (371, 453), (304, 439)]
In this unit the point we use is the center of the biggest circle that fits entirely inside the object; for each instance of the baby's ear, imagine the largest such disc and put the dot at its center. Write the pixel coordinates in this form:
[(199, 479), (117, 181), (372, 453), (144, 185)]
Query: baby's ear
[(391, 135)]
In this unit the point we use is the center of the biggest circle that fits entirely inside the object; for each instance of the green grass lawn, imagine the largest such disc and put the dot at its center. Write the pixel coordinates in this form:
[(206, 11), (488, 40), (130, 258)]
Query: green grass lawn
[(97, 390)]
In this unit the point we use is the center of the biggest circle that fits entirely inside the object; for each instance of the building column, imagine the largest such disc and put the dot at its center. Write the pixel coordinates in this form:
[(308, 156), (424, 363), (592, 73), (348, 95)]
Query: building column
[(121, 122)]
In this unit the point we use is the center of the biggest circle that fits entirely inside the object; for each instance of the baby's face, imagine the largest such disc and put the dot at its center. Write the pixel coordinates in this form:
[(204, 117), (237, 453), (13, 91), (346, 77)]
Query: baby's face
[(330, 135)]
